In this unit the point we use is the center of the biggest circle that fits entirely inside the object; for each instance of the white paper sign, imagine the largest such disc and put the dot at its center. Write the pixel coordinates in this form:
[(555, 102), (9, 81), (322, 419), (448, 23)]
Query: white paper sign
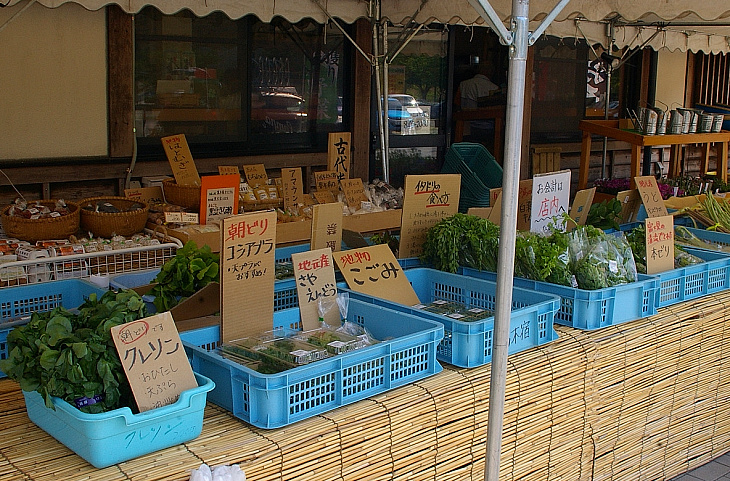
[(550, 200)]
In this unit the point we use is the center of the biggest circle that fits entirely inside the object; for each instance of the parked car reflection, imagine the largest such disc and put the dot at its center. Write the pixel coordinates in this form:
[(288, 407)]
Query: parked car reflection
[(278, 112), (400, 120), (419, 116)]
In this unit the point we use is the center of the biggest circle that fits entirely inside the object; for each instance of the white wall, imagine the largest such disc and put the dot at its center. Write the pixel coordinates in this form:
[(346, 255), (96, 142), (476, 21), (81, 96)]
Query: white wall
[(671, 73), (53, 81)]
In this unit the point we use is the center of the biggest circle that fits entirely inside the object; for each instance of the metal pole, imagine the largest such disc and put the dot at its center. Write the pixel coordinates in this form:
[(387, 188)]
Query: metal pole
[(382, 129), (386, 154), (609, 73), (508, 232)]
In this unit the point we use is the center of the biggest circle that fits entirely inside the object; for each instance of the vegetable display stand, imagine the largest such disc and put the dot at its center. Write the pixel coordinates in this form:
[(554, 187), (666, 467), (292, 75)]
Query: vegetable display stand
[(593, 309), (115, 436), (406, 353), (694, 281), (19, 302), (470, 343)]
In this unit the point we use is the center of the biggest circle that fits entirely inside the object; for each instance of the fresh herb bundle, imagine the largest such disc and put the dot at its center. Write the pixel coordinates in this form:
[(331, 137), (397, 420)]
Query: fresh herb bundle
[(605, 214), (462, 240)]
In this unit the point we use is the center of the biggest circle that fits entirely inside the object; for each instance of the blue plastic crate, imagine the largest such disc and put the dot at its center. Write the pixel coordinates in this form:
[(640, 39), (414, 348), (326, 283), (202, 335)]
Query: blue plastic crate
[(19, 302), (694, 281), (588, 310), (406, 353), (715, 240), (470, 344), (115, 436)]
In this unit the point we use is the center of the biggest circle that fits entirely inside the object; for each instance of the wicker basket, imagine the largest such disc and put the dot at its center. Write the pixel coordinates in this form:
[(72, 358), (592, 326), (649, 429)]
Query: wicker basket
[(32, 230), (108, 224), (187, 196)]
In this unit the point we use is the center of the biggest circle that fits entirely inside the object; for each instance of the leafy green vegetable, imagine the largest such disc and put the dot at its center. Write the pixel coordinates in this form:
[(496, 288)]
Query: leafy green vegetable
[(71, 355), (182, 276), (462, 240), (637, 241), (386, 238), (605, 214)]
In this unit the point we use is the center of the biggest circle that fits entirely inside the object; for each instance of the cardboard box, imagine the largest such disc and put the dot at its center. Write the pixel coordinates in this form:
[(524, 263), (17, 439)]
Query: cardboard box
[(373, 222), (290, 232), (202, 309), (209, 235)]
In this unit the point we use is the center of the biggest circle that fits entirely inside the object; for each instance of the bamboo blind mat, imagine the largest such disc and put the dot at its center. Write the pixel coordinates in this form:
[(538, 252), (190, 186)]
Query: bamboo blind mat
[(642, 400)]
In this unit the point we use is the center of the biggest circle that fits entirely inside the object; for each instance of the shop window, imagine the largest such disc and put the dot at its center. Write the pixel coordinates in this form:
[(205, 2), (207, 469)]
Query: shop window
[(237, 86)]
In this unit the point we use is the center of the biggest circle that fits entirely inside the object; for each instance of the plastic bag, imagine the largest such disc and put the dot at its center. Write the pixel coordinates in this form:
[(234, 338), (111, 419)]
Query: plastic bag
[(599, 260), (219, 473)]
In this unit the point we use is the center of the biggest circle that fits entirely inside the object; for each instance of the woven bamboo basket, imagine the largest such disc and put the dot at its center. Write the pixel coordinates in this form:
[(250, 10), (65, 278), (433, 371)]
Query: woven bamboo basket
[(32, 230), (108, 224), (187, 196)]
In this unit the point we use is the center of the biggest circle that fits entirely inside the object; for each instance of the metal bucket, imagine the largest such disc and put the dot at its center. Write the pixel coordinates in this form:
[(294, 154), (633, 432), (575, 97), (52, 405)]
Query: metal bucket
[(694, 121), (686, 119), (650, 122), (717, 122), (704, 124), (661, 121), (676, 120)]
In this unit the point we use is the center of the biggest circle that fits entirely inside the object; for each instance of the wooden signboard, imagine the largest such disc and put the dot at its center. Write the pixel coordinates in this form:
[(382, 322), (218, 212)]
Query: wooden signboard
[(324, 197), (150, 195), (650, 196), (659, 244), (327, 226), (327, 180), (181, 160), (630, 204), (338, 153), (550, 200), (228, 170), (247, 274), (354, 192), (427, 199), (582, 205), (314, 272), (255, 175), (153, 360), (375, 271), (293, 187), (218, 197)]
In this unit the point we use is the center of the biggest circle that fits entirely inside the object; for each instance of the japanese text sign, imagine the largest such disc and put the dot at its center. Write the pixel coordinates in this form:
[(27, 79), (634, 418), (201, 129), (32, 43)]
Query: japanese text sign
[(659, 244), (255, 174), (218, 197), (338, 154), (314, 272), (153, 360), (582, 205), (550, 200), (630, 204), (228, 170), (524, 201), (375, 271), (150, 195), (293, 187), (182, 218), (247, 274), (327, 226), (427, 199), (650, 196), (181, 160), (354, 192), (324, 197), (327, 180), (495, 215)]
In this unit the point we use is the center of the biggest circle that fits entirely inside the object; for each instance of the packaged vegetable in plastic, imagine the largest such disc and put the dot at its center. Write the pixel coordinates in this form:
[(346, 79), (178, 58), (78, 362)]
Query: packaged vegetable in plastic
[(598, 260)]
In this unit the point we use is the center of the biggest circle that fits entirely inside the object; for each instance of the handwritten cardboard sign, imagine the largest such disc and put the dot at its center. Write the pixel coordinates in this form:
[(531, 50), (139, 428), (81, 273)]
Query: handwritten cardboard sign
[(427, 199), (327, 180), (228, 170), (324, 196), (293, 187), (314, 272), (247, 274), (524, 207), (481, 212), (375, 271), (659, 244), (182, 218), (630, 204), (354, 192), (153, 360), (650, 196), (255, 174), (338, 153), (550, 200), (181, 160), (218, 197), (582, 205), (327, 226), (150, 195), (495, 216)]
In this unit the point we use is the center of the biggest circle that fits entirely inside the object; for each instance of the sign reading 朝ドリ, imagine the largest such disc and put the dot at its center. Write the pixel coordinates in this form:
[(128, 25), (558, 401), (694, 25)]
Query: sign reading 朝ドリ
[(550, 200), (154, 360), (314, 272), (181, 160), (375, 271), (650, 196), (219, 197), (338, 154), (291, 181), (247, 274), (327, 226), (426, 200), (659, 244)]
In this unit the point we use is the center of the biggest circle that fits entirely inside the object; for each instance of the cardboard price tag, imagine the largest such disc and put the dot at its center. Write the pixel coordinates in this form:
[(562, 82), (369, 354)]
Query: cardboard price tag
[(427, 199), (181, 160), (327, 226), (354, 192), (218, 197), (327, 180), (150, 195), (255, 174), (314, 272), (247, 274), (153, 360), (550, 200), (228, 170), (338, 153), (181, 218), (659, 244), (375, 271), (291, 181), (582, 205), (650, 196)]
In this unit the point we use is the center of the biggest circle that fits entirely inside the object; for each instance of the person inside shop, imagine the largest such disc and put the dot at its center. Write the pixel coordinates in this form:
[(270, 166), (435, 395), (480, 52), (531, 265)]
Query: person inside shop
[(473, 93)]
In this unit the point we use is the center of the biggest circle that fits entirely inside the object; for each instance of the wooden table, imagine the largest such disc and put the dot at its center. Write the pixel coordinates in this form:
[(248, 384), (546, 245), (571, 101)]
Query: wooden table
[(609, 128)]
